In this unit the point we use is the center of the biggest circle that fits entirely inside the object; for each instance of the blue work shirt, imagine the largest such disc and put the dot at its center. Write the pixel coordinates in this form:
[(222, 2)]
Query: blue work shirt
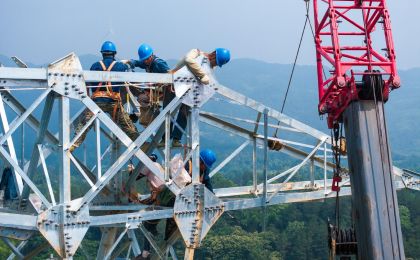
[(156, 66), (118, 67), (205, 175)]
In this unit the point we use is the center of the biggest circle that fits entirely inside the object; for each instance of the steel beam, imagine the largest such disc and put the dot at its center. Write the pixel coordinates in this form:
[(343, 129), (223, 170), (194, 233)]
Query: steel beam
[(33, 164), (40, 75), (10, 146)]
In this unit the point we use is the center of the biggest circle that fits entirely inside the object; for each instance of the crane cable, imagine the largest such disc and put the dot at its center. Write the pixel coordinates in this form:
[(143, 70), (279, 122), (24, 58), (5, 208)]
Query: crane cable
[(307, 20)]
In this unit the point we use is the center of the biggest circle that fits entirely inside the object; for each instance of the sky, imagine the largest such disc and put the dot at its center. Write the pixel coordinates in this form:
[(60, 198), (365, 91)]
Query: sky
[(45, 30)]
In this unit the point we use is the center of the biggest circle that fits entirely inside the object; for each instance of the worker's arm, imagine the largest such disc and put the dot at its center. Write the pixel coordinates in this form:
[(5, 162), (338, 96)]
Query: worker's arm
[(135, 63), (190, 61)]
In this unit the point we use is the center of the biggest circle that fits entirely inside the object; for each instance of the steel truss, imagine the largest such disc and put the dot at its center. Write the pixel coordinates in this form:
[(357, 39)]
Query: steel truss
[(64, 221)]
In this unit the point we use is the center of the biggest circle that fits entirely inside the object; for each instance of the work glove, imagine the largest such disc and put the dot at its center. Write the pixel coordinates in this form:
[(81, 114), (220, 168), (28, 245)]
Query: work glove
[(205, 80)]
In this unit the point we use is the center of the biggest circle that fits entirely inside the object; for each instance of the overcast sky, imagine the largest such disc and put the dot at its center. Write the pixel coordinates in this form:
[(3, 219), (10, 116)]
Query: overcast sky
[(269, 30)]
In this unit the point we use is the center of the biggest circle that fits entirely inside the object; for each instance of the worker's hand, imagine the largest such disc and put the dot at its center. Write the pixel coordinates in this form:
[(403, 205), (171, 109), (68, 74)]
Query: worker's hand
[(171, 71), (205, 80), (130, 63), (148, 201), (134, 197)]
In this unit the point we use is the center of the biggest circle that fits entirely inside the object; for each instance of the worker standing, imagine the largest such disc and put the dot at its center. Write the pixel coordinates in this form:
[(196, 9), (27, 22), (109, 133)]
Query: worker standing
[(107, 97), (218, 57), (151, 64)]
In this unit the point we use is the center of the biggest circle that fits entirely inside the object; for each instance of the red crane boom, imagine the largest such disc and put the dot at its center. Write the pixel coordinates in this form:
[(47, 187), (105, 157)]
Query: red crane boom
[(344, 30)]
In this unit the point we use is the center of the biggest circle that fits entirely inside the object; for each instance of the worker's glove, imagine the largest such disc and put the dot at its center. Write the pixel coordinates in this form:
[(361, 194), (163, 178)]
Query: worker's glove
[(148, 201), (205, 80), (134, 197), (130, 63)]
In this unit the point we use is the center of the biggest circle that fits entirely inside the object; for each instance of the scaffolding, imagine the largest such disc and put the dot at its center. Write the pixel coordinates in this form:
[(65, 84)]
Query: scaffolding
[(64, 221)]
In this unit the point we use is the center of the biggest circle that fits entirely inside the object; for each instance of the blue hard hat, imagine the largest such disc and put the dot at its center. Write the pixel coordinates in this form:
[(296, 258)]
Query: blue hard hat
[(222, 56), (145, 51), (208, 157), (153, 157), (108, 46)]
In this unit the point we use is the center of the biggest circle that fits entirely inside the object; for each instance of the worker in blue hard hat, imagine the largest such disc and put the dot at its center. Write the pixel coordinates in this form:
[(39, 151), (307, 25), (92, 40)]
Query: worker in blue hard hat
[(218, 57), (149, 99), (153, 64), (149, 61), (207, 159), (107, 96)]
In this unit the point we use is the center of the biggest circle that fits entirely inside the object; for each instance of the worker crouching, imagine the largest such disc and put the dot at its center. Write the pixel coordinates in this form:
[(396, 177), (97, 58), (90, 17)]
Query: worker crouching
[(218, 57)]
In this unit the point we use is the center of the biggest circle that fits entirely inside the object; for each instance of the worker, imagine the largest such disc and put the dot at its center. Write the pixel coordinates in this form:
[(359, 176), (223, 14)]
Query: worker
[(207, 159), (149, 61), (160, 196), (153, 64), (218, 57), (149, 103), (107, 97)]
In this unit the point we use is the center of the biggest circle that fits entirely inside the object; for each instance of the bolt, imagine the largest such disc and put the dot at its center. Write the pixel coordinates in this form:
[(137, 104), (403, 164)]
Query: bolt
[(62, 74)]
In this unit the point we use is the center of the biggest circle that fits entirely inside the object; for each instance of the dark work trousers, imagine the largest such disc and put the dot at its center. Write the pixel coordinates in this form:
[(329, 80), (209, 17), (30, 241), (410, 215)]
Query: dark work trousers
[(168, 96), (165, 199)]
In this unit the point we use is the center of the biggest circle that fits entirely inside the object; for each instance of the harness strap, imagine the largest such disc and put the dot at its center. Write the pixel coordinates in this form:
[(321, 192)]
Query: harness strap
[(109, 92)]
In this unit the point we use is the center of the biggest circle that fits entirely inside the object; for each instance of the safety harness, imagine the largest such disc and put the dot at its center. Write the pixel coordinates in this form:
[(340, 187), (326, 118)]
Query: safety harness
[(100, 92), (108, 92)]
